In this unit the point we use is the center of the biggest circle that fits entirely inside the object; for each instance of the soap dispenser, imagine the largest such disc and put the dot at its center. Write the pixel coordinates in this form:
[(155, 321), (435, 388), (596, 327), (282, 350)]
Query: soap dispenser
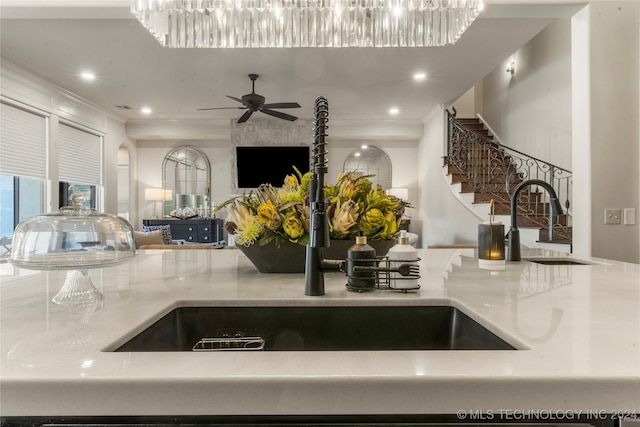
[(364, 256), (402, 253)]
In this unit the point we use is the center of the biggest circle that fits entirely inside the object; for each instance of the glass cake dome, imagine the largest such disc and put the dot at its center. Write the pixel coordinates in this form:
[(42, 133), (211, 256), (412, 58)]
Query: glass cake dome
[(74, 239)]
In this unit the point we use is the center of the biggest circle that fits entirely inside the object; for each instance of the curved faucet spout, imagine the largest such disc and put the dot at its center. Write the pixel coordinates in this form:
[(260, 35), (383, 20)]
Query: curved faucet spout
[(513, 252)]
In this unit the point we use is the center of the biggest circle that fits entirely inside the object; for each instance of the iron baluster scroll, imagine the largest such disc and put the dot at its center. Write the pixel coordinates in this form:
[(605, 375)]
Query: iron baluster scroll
[(493, 171)]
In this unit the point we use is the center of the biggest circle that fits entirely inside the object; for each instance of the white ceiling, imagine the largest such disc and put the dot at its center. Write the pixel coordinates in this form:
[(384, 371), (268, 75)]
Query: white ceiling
[(58, 39)]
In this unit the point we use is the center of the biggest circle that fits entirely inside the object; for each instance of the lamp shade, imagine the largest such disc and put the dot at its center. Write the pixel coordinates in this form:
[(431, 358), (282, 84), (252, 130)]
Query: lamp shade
[(154, 194)]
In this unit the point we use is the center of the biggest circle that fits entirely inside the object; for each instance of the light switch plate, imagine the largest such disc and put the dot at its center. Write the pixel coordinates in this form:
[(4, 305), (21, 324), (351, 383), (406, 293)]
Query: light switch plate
[(629, 216), (612, 216)]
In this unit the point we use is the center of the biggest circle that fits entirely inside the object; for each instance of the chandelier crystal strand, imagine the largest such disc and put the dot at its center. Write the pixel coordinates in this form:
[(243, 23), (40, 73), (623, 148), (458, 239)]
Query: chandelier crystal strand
[(305, 23)]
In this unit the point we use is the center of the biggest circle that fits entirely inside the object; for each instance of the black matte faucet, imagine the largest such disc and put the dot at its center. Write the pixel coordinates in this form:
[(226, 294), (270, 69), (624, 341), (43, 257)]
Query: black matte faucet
[(319, 238), (513, 252)]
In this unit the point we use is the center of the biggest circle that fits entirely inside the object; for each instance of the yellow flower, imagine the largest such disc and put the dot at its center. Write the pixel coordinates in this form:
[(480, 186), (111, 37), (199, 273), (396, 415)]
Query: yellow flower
[(292, 226), (363, 187), (268, 215), (371, 221), (304, 215), (248, 232), (344, 217), (289, 192), (291, 181), (347, 190), (288, 195), (377, 199), (238, 212), (248, 227), (390, 227), (305, 181), (267, 192)]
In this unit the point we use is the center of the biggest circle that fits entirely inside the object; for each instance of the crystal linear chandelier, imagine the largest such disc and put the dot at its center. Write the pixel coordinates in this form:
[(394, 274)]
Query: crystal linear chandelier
[(305, 23)]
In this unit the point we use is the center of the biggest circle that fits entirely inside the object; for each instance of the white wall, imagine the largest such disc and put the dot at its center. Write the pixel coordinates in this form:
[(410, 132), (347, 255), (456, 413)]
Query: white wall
[(581, 206), (115, 137), (530, 110), (125, 180), (444, 220), (466, 105), (614, 87)]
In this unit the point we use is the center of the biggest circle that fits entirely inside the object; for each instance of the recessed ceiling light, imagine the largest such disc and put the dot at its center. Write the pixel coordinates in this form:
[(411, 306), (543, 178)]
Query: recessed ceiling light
[(145, 110), (364, 147), (357, 154), (394, 110), (88, 76), (419, 76)]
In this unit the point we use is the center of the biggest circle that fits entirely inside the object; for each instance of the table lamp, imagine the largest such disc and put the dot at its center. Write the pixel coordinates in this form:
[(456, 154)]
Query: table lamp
[(154, 195)]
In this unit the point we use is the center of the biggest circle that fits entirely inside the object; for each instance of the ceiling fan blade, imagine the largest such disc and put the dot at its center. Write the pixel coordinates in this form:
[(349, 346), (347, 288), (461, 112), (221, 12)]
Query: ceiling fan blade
[(245, 116), (221, 108), (237, 99), (282, 105), (279, 115)]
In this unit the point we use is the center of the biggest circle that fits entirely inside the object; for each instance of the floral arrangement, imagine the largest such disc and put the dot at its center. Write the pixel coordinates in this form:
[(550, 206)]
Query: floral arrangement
[(354, 205)]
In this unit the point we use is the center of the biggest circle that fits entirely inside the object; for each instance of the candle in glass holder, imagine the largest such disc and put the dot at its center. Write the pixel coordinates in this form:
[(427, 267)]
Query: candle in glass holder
[(491, 248)]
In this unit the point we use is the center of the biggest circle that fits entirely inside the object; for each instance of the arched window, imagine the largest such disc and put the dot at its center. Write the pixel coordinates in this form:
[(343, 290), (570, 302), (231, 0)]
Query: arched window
[(370, 160)]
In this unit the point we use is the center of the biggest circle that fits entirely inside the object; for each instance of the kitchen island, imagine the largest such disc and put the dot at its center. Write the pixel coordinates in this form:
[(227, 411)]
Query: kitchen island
[(575, 330)]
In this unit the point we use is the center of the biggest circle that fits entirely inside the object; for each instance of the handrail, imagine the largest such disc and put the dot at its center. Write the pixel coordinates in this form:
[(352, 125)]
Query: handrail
[(493, 170)]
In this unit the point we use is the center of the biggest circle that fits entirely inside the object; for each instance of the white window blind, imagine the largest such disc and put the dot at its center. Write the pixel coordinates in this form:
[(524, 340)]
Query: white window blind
[(23, 142), (80, 158)]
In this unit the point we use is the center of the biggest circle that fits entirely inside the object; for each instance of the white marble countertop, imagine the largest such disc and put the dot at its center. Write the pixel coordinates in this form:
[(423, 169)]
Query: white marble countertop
[(576, 330)]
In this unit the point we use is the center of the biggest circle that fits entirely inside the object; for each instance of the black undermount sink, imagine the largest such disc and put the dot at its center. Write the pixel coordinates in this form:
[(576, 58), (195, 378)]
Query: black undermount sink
[(315, 328)]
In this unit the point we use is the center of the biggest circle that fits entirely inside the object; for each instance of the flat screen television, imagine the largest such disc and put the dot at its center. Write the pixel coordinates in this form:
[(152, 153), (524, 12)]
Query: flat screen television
[(258, 165)]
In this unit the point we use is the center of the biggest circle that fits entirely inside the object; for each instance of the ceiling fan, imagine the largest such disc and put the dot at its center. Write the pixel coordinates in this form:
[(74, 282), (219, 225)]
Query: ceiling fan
[(253, 102)]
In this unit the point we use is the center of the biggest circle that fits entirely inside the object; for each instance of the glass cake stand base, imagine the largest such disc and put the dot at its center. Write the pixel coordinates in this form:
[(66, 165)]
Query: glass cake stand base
[(78, 290)]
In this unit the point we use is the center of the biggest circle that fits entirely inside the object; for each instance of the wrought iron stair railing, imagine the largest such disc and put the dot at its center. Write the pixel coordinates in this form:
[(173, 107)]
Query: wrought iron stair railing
[(493, 170)]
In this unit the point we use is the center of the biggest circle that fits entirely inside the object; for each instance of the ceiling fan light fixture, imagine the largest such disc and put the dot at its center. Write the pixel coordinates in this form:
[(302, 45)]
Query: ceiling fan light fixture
[(312, 23)]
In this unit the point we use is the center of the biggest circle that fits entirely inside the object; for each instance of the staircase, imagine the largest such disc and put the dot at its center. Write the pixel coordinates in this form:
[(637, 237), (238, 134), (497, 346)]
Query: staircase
[(480, 169)]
